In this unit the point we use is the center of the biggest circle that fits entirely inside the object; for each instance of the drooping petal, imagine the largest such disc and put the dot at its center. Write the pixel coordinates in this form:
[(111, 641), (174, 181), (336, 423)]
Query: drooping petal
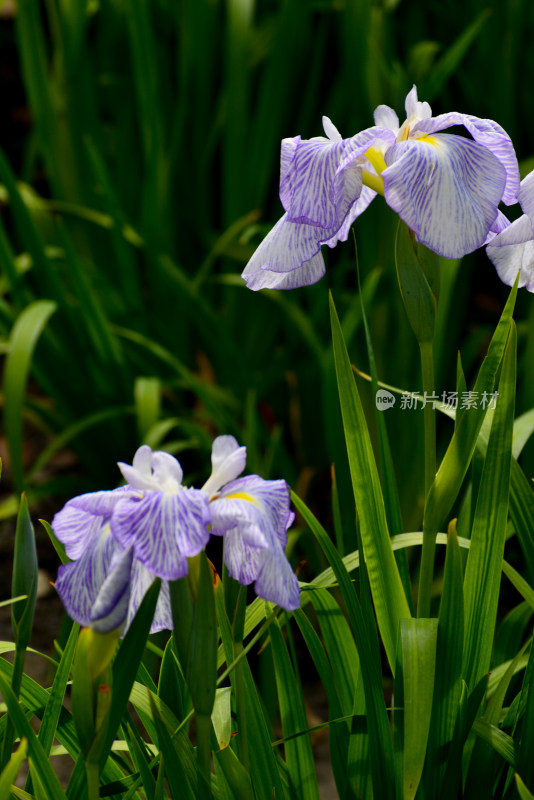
[(141, 581), (246, 498), (512, 251), (242, 560), (498, 226), (487, 133), (385, 117), (111, 605), (446, 189), (79, 582), (276, 580), (75, 528), (306, 274), (286, 248), (164, 528), (365, 198), (228, 461)]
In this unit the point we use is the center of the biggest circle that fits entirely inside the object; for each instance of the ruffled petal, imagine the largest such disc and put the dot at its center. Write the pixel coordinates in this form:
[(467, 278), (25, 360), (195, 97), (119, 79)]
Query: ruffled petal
[(276, 580), (111, 604), (228, 461), (498, 226), (164, 528), (512, 251), (75, 528), (446, 189), (385, 117), (357, 208), (487, 133), (79, 583)]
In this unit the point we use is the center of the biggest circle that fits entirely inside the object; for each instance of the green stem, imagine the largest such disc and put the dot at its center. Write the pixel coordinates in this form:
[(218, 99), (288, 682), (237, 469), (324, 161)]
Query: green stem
[(238, 628), (429, 536)]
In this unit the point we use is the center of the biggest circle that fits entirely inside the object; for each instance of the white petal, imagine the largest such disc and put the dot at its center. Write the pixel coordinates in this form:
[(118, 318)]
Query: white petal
[(167, 470), (526, 195), (512, 251), (331, 131), (228, 461), (414, 108), (385, 117)]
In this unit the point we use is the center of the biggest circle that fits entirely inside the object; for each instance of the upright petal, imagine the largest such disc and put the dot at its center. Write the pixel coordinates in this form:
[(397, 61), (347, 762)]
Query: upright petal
[(414, 108), (446, 189), (228, 461), (164, 528), (512, 251), (487, 133), (385, 117)]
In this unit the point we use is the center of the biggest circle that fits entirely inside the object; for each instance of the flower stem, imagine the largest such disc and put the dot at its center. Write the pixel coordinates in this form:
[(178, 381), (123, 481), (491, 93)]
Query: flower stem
[(429, 537), (203, 725), (93, 780)]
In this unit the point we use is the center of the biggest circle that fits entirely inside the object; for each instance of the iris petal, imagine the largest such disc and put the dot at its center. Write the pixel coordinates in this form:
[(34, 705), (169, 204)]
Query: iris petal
[(487, 133), (512, 251), (307, 274), (141, 581), (385, 117), (526, 195), (276, 580), (79, 582), (111, 604), (446, 189), (164, 528), (228, 461)]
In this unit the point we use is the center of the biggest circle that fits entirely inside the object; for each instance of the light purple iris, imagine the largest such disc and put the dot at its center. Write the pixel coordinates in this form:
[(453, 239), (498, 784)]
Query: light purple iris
[(104, 585), (121, 540), (512, 249), (445, 187)]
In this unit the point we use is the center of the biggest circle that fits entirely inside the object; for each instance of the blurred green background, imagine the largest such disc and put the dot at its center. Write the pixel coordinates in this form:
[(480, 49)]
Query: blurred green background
[(139, 171)]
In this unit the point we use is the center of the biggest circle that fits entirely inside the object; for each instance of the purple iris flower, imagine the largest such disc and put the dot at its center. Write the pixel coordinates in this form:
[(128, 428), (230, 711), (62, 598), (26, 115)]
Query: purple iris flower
[(512, 248), (445, 187), (121, 540)]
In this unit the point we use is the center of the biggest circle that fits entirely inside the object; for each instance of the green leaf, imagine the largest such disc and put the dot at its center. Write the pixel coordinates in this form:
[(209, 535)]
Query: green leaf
[(386, 586), (414, 687), (24, 581), (484, 562), (418, 276), (23, 339), (11, 770), (40, 760), (457, 458), (524, 793), (298, 751)]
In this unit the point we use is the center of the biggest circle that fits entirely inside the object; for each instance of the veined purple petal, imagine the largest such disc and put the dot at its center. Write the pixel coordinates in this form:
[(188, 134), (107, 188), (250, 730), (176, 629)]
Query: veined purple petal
[(75, 528), (487, 133), (306, 274), (446, 189), (111, 605), (242, 561), (501, 223), (365, 198), (271, 498), (78, 583), (512, 251), (526, 195), (276, 580), (228, 461), (141, 581), (287, 247), (164, 528)]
